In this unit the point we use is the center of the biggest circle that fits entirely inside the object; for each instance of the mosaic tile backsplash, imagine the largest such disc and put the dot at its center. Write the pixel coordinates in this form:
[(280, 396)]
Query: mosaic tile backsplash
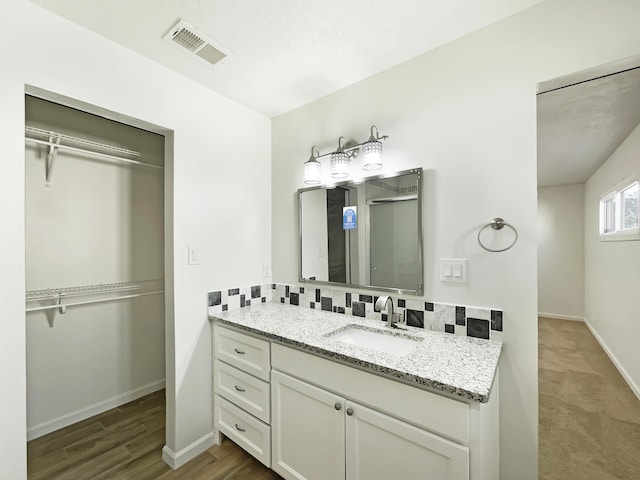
[(232, 298), (455, 319)]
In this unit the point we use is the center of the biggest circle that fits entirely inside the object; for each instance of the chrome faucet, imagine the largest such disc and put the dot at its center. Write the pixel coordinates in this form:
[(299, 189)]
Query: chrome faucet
[(386, 303)]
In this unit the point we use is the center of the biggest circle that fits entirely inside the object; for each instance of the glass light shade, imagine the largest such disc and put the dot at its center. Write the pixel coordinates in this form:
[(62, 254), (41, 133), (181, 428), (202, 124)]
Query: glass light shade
[(312, 172), (339, 165), (371, 152)]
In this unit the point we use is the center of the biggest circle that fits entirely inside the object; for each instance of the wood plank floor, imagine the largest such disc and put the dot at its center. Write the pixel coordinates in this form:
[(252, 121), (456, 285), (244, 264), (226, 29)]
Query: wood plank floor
[(126, 443), (589, 418)]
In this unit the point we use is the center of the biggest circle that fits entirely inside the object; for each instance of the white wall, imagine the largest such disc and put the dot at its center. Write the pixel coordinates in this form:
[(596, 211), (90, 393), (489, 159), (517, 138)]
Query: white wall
[(613, 268), (219, 177), (561, 251), (466, 113)]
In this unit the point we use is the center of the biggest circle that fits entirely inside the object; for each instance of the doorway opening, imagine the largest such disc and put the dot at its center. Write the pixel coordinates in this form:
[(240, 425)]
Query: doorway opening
[(99, 275), (588, 142)]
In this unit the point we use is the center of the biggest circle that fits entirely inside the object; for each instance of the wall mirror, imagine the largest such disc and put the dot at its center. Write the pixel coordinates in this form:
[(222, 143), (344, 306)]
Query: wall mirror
[(365, 234)]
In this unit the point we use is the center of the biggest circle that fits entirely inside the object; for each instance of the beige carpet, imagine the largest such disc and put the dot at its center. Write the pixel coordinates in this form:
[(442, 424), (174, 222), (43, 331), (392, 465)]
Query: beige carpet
[(589, 419)]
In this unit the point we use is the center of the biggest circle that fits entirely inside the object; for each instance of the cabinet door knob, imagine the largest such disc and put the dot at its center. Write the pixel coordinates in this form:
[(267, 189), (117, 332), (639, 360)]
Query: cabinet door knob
[(240, 429), (338, 406), (239, 352), (240, 389), (349, 411)]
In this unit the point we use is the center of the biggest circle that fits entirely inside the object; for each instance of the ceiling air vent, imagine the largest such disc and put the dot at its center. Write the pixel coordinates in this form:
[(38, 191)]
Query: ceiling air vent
[(194, 43)]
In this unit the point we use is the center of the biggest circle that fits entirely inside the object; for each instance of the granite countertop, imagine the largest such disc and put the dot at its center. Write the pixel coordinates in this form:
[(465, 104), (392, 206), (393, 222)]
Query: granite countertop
[(462, 366)]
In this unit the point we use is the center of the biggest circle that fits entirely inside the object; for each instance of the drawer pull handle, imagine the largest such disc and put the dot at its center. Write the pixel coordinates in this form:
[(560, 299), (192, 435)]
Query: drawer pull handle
[(239, 352), (240, 389), (240, 429), (349, 411), (337, 406)]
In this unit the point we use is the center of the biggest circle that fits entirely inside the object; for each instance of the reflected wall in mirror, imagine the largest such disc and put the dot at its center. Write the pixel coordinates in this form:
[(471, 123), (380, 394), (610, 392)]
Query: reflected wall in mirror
[(364, 234)]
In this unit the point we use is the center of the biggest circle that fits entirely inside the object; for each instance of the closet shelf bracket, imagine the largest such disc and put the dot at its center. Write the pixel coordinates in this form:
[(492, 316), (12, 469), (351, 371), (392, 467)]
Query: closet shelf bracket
[(61, 308), (51, 156)]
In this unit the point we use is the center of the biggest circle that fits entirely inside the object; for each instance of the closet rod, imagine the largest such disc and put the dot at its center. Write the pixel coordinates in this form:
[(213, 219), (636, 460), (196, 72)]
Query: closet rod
[(54, 140), (89, 152), (63, 307), (54, 293), (81, 141)]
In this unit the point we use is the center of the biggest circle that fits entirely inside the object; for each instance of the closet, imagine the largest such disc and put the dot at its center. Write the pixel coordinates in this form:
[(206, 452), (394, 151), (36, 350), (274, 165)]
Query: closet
[(94, 228)]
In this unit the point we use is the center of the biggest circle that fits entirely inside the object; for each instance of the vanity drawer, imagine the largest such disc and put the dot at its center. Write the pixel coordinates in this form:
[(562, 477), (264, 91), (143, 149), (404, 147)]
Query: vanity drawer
[(245, 352), (247, 392), (248, 432)]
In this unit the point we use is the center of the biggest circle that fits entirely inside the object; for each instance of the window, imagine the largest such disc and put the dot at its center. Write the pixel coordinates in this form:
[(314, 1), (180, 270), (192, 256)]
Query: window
[(619, 213), (629, 197), (608, 215)]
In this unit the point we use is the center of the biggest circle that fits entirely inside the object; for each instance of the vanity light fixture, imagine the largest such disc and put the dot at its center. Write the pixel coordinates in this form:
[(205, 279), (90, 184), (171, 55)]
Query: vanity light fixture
[(312, 168), (371, 152), (339, 164)]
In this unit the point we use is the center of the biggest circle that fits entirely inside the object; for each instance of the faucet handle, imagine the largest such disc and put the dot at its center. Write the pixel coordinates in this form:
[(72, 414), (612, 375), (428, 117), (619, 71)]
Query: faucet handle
[(399, 319)]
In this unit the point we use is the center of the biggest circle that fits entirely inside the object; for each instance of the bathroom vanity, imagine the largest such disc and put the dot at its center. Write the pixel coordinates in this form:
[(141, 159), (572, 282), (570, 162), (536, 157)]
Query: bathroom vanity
[(310, 396)]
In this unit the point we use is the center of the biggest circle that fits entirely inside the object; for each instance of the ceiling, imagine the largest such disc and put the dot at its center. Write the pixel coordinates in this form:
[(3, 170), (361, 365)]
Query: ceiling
[(581, 125), (286, 53)]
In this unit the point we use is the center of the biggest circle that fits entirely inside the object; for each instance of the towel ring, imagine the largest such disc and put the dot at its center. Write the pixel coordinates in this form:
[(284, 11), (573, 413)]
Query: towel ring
[(497, 224)]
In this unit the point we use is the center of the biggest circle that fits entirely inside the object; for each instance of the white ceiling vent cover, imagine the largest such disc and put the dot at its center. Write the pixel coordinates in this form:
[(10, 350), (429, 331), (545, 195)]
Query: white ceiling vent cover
[(194, 43)]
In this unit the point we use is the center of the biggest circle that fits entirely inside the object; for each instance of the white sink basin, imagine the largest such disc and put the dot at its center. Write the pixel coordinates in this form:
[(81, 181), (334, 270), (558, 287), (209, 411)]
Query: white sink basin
[(388, 342)]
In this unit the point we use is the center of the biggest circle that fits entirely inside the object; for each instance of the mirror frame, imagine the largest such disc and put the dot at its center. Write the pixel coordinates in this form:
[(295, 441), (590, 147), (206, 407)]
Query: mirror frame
[(399, 291)]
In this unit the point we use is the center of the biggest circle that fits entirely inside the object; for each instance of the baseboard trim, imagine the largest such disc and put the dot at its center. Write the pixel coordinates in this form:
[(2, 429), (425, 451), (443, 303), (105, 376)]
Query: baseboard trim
[(632, 385), (177, 459), (82, 414), (558, 316)]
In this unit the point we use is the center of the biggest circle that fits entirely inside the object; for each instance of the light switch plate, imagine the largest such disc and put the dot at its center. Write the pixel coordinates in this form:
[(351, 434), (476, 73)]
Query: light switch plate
[(453, 270), (194, 255)]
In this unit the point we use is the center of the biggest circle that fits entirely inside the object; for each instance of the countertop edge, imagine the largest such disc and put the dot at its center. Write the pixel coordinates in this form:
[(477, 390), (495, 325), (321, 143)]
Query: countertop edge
[(385, 372)]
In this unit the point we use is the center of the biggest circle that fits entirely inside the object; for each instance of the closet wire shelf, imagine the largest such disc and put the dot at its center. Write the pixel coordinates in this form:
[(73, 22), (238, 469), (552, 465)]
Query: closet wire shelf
[(56, 295), (54, 141)]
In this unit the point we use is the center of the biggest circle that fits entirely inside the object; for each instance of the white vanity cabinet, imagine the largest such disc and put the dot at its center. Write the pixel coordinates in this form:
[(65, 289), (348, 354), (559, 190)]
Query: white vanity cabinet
[(242, 401), (318, 435), (308, 417), (332, 421)]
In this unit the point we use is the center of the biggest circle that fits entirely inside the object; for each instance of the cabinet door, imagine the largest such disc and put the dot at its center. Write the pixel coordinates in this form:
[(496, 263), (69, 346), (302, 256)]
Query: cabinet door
[(307, 425), (380, 447)]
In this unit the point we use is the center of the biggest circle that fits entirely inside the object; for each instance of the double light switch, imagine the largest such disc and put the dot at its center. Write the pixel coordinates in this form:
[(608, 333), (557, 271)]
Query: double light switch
[(453, 270)]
